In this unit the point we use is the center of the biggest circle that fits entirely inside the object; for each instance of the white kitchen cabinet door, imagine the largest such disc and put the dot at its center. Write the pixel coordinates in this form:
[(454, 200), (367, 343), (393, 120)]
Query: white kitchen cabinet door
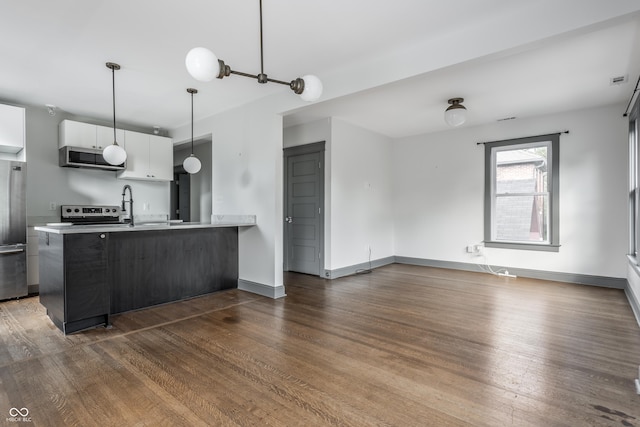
[(137, 147), (104, 137), (12, 133), (161, 157), (149, 157), (77, 134)]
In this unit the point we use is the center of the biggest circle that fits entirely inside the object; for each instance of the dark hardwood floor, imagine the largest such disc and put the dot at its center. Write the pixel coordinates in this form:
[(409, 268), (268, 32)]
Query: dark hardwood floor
[(402, 346)]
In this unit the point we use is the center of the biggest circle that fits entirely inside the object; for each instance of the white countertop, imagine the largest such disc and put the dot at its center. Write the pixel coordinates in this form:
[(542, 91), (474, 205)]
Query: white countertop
[(245, 221)]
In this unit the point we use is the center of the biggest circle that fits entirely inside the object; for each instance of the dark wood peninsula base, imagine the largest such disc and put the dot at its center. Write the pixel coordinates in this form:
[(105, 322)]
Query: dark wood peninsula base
[(86, 277)]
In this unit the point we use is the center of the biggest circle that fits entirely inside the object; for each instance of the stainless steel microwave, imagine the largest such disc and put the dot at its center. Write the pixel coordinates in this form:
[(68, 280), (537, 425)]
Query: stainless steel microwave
[(81, 157)]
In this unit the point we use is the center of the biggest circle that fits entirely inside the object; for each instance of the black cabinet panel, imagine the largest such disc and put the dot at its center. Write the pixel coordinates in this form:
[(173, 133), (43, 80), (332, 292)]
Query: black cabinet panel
[(74, 283), (85, 277), (51, 267), (155, 267), (87, 290)]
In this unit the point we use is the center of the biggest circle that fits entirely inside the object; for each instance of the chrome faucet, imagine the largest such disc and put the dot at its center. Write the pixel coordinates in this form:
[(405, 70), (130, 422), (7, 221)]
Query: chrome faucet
[(124, 190)]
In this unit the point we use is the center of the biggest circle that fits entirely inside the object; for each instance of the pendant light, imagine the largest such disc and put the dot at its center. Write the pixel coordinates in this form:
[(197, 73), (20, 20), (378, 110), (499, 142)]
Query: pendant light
[(456, 114), (114, 154), (204, 66), (192, 164)]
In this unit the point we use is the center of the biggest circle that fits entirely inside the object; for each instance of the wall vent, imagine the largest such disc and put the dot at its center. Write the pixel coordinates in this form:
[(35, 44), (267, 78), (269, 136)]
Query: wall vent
[(618, 80)]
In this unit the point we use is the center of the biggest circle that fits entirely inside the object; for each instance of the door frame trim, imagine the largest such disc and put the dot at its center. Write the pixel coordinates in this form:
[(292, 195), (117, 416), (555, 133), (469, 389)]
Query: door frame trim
[(314, 147)]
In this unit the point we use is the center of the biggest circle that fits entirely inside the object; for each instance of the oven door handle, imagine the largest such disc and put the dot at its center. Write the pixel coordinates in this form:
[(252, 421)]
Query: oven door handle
[(11, 251)]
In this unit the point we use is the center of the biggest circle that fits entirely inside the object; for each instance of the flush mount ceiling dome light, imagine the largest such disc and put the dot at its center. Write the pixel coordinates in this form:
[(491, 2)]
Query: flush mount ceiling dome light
[(456, 114), (114, 154), (204, 66), (192, 164)]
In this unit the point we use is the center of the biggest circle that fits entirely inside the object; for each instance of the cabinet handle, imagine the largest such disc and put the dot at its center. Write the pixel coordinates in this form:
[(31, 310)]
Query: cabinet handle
[(102, 236)]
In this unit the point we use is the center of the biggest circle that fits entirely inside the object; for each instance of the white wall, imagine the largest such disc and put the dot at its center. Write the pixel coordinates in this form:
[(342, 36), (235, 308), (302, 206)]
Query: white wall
[(361, 211), (47, 182), (439, 187)]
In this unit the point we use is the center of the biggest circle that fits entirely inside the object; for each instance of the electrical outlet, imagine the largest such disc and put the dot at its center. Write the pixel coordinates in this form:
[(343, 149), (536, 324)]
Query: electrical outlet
[(474, 249), (52, 206)]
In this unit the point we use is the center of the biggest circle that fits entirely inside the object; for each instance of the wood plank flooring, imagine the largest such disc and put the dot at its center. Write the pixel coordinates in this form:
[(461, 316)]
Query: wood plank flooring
[(402, 346)]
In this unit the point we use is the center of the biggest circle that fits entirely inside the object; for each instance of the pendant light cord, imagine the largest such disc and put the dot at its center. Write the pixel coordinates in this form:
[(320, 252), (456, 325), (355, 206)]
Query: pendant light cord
[(261, 50), (192, 123), (113, 86)]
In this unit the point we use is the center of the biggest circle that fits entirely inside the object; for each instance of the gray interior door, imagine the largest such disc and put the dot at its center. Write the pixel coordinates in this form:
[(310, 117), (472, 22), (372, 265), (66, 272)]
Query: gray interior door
[(304, 209)]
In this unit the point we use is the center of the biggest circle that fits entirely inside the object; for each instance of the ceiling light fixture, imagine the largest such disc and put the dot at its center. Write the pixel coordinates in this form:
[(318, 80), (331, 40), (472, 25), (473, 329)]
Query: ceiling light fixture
[(114, 154), (192, 164), (204, 66), (456, 114)]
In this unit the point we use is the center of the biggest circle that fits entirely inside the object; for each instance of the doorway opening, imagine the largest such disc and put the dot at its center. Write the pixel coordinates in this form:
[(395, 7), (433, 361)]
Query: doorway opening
[(181, 195), (304, 209), (191, 194)]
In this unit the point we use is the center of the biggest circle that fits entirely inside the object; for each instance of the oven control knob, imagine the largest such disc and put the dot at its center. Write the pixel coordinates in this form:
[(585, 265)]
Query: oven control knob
[(68, 209), (107, 210), (76, 210)]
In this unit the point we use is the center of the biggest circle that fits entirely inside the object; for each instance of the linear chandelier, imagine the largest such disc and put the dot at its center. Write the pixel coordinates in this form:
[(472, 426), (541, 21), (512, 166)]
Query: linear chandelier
[(204, 66)]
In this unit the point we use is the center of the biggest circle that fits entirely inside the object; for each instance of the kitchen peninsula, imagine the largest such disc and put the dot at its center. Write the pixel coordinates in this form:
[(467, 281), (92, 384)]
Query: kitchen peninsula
[(89, 272)]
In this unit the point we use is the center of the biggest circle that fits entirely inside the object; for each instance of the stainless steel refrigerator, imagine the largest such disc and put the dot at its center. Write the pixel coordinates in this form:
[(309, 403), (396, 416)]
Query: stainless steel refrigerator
[(13, 230)]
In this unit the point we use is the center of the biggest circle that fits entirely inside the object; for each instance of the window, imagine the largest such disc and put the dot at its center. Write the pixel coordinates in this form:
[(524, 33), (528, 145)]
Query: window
[(521, 193)]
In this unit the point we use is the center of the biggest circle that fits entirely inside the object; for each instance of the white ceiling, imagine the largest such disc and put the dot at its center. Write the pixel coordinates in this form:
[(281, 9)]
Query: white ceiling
[(559, 75), (54, 52)]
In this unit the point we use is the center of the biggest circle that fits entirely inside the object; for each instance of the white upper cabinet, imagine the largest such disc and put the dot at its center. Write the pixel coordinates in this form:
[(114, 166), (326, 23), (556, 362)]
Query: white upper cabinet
[(104, 136), (161, 157), (12, 128), (77, 134), (149, 157)]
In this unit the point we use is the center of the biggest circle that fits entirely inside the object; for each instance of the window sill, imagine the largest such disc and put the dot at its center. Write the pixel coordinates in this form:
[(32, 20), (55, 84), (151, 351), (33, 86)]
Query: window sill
[(523, 246)]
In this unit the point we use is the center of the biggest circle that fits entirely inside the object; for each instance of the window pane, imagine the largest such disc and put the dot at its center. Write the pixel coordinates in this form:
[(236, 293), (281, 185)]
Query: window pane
[(522, 219), (522, 170)]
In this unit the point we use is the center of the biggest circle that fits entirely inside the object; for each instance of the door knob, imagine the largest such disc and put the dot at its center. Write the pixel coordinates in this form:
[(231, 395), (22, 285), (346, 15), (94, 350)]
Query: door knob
[(289, 219)]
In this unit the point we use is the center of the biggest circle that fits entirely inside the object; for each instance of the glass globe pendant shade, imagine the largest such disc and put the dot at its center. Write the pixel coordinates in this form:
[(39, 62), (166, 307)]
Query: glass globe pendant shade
[(312, 88), (202, 64), (114, 154), (192, 164), (456, 114)]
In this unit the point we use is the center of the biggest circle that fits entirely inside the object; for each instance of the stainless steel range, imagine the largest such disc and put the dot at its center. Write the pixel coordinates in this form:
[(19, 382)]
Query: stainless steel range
[(90, 214)]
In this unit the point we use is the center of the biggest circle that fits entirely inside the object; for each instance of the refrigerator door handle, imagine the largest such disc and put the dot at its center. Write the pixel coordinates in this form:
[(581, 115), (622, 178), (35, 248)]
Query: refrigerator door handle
[(11, 251)]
